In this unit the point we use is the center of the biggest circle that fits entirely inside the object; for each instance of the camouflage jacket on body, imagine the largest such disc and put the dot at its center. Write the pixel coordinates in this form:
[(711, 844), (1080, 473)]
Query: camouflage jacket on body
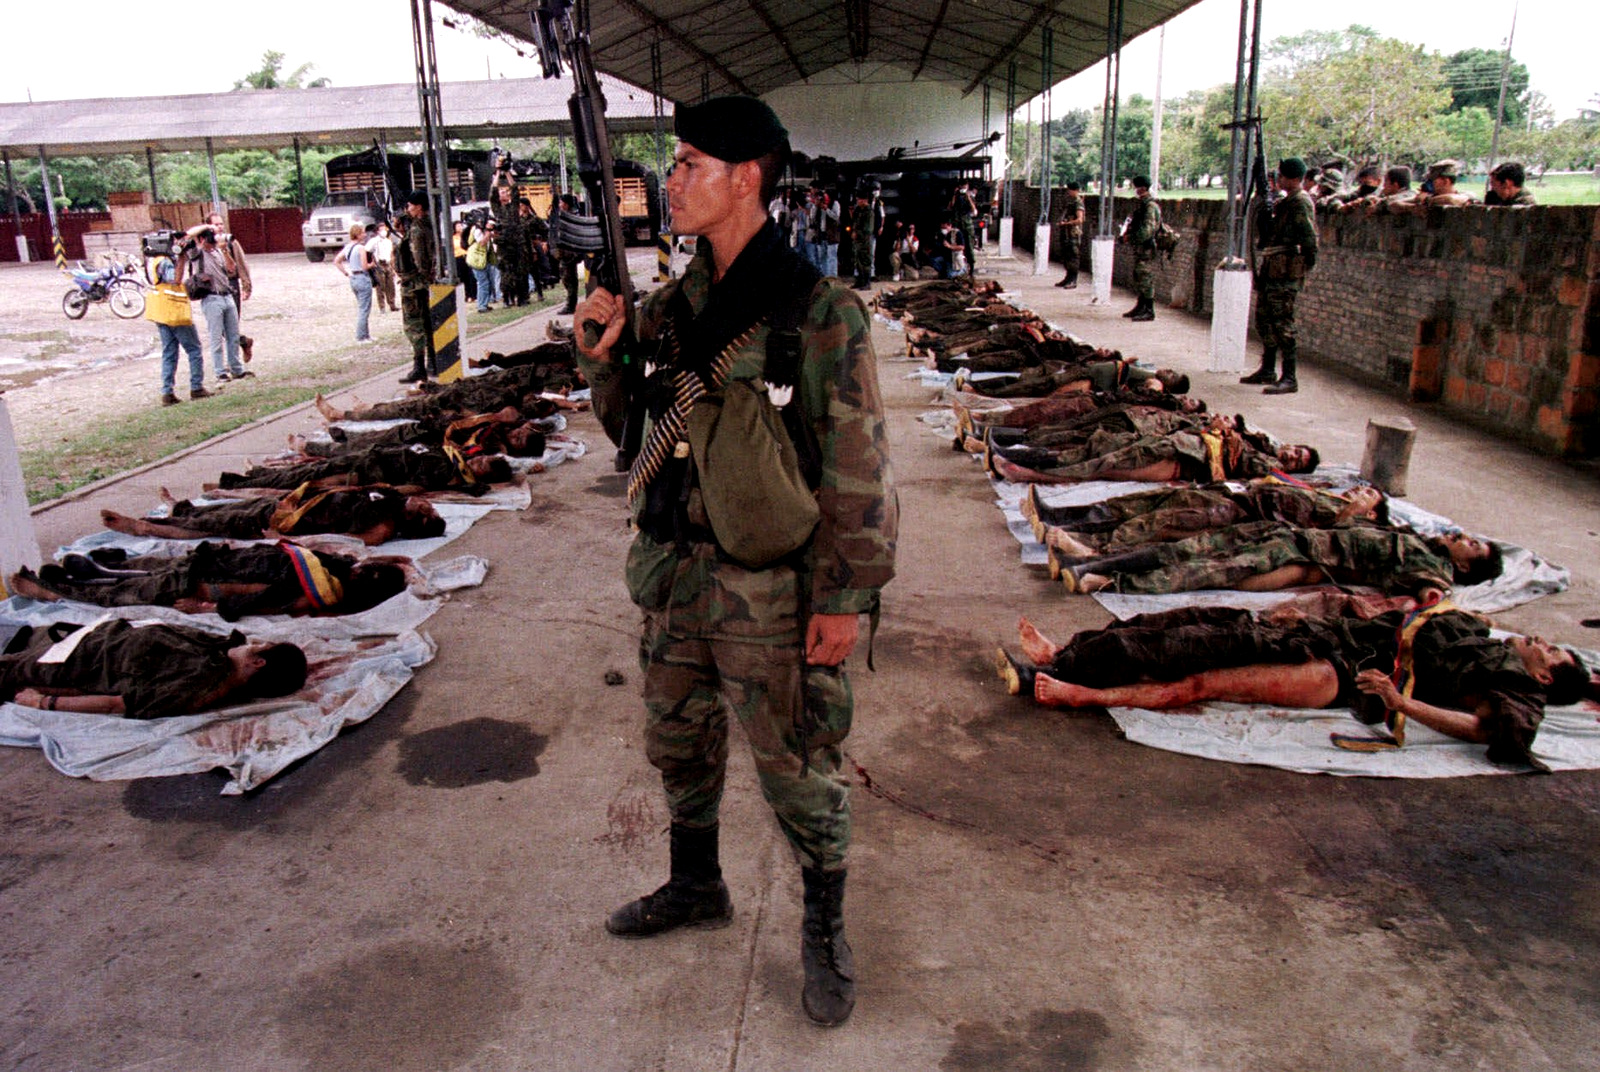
[(1396, 562), (851, 553), (1070, 218), (1143, 225)]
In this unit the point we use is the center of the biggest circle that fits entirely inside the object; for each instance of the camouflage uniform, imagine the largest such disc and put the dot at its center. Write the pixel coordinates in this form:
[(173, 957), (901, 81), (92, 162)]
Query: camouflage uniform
[(1393, 561), (415, 265), (1071, 236), (1142, 237), (1290, 234), (512, 251), (862, 241), (716, 632)]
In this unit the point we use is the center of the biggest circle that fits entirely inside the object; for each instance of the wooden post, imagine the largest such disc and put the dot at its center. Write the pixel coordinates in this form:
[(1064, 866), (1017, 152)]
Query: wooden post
[(1388, 455)]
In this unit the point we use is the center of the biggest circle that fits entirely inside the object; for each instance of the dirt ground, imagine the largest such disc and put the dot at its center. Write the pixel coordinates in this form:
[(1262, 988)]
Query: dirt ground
[(1028, 891), (57, 373)]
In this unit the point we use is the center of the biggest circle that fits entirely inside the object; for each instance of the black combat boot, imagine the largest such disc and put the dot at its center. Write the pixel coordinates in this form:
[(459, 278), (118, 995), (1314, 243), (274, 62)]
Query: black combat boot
[(419, 371), (1146, 310), (1268, 372), (830, 990), (1138, 307), (695, 895), (1286, 384)]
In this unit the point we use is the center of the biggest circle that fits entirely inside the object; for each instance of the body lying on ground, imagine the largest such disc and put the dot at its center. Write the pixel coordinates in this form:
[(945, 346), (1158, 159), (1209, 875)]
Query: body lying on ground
[(1265, 556), (281, 578), (1453, 677), (143, 671), (372, 514)]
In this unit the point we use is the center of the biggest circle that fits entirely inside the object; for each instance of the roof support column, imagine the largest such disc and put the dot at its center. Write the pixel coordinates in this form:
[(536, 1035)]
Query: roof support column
[(16, 217), (435, 165), (1230, 284), (1102, 252), (211, 165), (50, 208), (1006, 222), (150, 165), (1041, 231), (299, 176)]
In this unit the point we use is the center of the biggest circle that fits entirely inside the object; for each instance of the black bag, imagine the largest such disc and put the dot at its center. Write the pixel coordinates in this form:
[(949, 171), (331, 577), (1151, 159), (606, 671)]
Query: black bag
[(196, 286)]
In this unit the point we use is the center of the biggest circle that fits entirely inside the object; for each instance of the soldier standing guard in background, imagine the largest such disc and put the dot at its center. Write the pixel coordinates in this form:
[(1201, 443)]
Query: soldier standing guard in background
[(1141, 235), (750, 342), (862, 241), (1286, 237), (416, 265), (512, 247), (1071, 223)]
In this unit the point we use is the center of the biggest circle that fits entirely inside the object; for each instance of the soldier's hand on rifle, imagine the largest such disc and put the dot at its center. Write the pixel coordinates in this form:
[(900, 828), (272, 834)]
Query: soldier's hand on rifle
[(600, 317)]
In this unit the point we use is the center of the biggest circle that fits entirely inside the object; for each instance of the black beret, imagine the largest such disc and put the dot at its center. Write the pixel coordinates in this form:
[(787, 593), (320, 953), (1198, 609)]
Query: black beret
[(417, 197), (1292, 167), (734, 129)]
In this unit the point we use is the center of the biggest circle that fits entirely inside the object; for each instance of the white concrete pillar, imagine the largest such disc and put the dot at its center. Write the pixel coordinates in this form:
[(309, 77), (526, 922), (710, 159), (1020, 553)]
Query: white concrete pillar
[(1006, 224), (22, 248), (19, 544), (1230, 319), (1041, 249), (1102, 255)]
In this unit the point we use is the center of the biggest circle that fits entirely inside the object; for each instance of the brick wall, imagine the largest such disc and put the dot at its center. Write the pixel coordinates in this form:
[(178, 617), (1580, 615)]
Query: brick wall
[(1494, 315)]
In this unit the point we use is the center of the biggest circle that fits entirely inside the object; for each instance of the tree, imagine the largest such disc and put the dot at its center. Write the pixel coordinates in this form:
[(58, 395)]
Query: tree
[(1473, 75), (270, 75), (1464, 136), (1373, 100)]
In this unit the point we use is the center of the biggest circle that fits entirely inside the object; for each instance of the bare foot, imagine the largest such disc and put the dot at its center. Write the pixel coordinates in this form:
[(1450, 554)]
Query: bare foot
[(168, 498), (1040, 649), (1052, 693), (297, 442), (1083, 583), (118, 522), (23, 583), (1067, 542), (325, 408)]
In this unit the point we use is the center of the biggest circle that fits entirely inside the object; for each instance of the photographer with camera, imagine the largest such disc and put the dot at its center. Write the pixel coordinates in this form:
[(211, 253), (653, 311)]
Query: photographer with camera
[(207, 279), (239, 285), (167, 307)]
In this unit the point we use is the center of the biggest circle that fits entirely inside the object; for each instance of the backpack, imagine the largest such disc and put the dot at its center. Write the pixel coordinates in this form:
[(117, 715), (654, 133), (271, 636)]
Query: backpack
[(1166, 238)]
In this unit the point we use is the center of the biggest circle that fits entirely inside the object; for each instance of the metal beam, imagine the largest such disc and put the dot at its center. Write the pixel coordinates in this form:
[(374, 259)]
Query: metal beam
[(777, 32), (933, 31), (652, 20), (1040, 13)]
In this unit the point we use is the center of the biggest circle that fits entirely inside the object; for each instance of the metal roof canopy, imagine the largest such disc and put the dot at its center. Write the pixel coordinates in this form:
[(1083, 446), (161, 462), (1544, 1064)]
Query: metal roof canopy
[(755, 46), (333, 115)]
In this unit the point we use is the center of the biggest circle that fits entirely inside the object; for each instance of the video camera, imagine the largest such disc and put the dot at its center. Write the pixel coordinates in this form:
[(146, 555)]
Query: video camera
[(161, 243)]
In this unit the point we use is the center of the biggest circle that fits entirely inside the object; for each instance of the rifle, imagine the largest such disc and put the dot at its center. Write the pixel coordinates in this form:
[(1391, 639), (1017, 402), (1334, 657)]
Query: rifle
[(557, 35)]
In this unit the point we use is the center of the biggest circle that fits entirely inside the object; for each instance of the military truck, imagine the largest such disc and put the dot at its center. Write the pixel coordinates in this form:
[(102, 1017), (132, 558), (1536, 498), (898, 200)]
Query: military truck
[(363, 188)]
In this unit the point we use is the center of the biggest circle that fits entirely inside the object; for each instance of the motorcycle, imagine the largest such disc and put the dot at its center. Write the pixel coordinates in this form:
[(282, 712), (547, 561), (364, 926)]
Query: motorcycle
[(118, 286)]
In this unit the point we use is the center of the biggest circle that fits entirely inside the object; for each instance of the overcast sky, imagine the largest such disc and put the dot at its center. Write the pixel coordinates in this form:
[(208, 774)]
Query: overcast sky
[(109, 48)]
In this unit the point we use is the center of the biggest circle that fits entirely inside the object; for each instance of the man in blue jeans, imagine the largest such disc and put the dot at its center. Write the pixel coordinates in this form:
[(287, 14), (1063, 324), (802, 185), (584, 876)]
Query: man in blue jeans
[(168, 309), (214, 266)]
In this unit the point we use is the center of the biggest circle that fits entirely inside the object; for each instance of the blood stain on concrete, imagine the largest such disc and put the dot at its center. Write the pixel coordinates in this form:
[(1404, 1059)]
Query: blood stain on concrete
[(1048, 1040), (611, 486), (406, 1007), (474, 752)]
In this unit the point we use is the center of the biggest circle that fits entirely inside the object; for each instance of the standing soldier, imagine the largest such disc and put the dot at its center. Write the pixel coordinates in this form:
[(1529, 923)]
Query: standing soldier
[(1286, 240), (1071, 223), (862, 240), (1141, 235), (750, 342), (417, 257), (964, 214), (512, 248)]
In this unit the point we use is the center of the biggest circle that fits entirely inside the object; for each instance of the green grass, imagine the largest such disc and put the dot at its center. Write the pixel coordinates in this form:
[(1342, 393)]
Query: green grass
[(105, 447)]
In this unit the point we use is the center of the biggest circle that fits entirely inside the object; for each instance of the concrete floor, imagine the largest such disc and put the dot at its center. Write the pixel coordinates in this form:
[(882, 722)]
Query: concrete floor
[(1028, 891)]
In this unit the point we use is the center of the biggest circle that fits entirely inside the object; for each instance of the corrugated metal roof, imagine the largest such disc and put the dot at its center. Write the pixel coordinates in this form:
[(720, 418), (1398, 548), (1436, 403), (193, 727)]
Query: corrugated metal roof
[(272, 118), (754, 46)]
